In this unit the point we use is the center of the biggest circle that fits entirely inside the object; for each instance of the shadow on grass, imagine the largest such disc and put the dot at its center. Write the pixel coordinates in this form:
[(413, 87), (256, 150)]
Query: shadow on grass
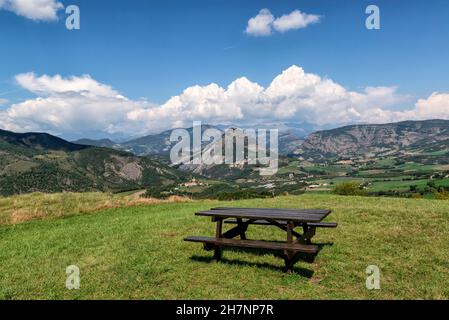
[(308, 258), (300, 271)]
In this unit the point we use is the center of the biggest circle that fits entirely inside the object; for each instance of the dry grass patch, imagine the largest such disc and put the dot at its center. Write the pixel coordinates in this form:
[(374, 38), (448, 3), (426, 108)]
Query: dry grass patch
[(38, 206)]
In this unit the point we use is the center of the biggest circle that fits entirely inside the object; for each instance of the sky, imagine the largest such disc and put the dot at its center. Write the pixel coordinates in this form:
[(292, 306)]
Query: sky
[(137, 67)]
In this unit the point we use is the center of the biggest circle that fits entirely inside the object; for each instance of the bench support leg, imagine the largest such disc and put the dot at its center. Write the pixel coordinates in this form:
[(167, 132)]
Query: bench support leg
[(289, 258), (217, 254)]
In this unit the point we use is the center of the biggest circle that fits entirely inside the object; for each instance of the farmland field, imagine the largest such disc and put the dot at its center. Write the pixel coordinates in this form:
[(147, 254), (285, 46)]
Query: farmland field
[(137, 252)]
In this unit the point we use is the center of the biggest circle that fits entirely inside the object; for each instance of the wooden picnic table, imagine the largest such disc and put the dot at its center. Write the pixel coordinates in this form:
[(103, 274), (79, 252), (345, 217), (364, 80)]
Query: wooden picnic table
[(284, 219)]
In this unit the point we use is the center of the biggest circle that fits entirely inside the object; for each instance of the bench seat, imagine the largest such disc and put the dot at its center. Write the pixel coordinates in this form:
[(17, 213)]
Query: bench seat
[(256, 244), (263, 223)]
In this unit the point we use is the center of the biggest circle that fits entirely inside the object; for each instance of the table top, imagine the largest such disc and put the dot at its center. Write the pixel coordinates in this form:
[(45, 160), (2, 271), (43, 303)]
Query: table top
[(296, 215)]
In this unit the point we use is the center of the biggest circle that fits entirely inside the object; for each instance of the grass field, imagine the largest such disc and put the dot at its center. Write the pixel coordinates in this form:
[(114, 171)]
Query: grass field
[(36, 206), (137, 252)]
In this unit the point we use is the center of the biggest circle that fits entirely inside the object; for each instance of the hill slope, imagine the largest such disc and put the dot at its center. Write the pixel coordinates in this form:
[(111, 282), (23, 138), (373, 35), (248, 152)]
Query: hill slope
[(160, 144), (378, 140), (102, 143), (41, 162), (38, 141)]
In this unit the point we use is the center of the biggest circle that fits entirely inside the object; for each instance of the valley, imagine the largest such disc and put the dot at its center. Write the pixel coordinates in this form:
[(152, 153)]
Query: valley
[(407, 159)]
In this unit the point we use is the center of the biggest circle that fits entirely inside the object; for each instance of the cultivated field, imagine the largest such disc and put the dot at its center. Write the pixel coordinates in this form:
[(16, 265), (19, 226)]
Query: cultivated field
[(135, 250)]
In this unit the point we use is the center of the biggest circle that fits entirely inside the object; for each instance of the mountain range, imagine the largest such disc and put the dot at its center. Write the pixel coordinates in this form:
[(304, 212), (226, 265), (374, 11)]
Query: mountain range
[(377, 140), (41, 162), (160, 144)]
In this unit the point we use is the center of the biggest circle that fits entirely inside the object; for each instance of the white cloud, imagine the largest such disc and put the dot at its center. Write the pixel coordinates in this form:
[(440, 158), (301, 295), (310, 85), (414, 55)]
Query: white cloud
[(46, 85), (3, 102), (33, 9), (71, 106), (294, 95), (81, 106), (264, 24), (434, 107), (261, 24), (294, 20)]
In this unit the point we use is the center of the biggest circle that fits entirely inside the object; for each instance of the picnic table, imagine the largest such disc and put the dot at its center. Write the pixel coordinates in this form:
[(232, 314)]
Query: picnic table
[(285, 219)]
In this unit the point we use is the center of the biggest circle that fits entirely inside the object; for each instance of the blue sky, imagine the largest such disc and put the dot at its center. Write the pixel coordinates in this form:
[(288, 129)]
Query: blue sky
[(157, 49)]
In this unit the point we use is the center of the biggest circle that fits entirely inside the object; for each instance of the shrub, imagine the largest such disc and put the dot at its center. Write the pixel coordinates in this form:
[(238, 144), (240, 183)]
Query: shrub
[(161, 192), (349, 189), (416, 196), (444, 195)]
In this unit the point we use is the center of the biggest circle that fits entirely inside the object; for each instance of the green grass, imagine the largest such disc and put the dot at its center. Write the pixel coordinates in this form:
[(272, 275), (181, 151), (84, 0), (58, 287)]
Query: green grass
[(405, 185), (385, 163), (138, 253), (418, 167), (397, 185)]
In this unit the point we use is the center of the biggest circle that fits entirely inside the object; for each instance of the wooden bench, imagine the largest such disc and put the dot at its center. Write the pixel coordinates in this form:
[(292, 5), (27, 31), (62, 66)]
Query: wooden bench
[(285, 219), (255, 244), (289, 250)]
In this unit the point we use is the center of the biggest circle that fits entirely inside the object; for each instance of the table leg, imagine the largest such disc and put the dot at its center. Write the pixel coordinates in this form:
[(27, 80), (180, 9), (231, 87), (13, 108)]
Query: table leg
[(243, 228), (218, 234), (290, 227), (289, 255), (283, 227), (309, 233)]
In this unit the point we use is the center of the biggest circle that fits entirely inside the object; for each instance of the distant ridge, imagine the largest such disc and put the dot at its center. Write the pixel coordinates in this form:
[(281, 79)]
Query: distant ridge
[(39, 141), (40, 162), (160, 144), (103, 143), (373, 140)]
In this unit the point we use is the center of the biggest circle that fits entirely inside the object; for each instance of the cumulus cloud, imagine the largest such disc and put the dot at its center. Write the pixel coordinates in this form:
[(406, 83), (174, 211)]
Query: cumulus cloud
[(260, 25), (72, 106), (33, 9), (47, 85), (294, 20), (264, 24), (434, 107), (81, 106)]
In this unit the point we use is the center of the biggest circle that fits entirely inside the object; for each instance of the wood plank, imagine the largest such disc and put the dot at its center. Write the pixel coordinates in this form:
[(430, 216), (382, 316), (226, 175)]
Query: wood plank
[(306, 211), (264, 223), (297, 217), (324, 224), (271, 212), (255, 244)]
